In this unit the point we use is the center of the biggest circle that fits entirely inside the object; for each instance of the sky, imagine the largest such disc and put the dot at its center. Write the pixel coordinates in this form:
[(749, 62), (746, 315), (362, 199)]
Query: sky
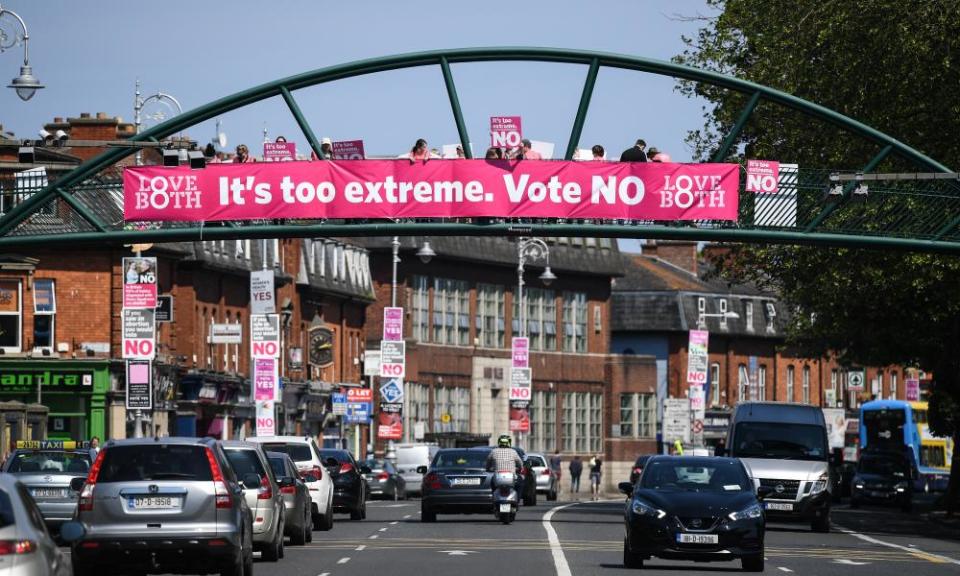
[(89, 54)]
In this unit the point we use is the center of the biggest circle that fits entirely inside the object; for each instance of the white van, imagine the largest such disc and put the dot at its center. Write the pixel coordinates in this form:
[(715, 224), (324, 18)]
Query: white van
[(784, 448), (409, 458)]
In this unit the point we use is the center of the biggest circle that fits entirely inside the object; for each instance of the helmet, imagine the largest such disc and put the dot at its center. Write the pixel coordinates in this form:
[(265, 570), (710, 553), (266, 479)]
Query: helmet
[(504, 441)]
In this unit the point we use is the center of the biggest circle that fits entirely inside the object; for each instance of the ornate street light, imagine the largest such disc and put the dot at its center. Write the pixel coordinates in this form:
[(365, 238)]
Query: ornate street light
[(26, 84), (158, 116), (533, 249)]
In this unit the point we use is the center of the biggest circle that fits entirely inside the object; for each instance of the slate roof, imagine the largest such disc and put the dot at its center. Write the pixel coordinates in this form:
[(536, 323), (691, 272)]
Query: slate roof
[(587, 256)]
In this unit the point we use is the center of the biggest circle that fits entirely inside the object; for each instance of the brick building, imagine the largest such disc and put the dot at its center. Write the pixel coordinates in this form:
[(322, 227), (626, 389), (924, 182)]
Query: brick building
[(461, 312), (664, 294)]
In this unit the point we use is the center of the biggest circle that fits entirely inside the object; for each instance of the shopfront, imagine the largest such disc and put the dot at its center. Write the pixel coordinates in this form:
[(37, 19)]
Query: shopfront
[(73, 392)]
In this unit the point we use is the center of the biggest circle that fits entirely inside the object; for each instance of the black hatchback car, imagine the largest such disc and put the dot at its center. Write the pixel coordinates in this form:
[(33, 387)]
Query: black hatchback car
[(693, 508), (883, 478), (350, 488)]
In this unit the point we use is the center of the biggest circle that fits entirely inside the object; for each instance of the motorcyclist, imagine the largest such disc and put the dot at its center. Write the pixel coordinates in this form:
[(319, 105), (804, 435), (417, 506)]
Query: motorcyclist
[(503, 457)]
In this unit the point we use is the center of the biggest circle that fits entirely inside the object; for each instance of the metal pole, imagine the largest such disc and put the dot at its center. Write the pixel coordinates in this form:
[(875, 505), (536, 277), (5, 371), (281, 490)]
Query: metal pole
[(396, 259), (138, 415), (521, 307), (137, 107)]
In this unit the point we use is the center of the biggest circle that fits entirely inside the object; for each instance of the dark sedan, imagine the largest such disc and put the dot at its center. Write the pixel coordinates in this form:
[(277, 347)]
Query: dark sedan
[(384, 480), (693, 508), (349, 486), (638, 467), (883, 478), (457, 483)]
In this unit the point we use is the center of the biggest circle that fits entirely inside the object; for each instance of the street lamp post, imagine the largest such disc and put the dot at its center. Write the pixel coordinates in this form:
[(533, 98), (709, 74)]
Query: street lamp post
[(26, 84), (138, 105), (533, 249)]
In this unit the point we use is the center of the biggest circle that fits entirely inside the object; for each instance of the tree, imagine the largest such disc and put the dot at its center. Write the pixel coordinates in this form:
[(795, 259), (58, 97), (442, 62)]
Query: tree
[(892, 65)]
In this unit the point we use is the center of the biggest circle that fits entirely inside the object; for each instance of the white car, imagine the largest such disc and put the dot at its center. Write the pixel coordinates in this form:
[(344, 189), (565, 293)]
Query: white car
[(27, 548), (305, 454)]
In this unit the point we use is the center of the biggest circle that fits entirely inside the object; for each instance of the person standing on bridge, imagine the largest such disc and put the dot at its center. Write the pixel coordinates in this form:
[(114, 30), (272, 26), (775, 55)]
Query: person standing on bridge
[(576, 469), (635, 153)]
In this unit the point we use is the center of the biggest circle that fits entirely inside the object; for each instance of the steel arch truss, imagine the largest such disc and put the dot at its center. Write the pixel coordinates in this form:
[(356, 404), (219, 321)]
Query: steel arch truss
[(85, 205)]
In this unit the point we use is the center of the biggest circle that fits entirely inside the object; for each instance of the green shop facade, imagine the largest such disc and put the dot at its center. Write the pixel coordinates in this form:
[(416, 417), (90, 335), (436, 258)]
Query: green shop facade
[(52, 399)]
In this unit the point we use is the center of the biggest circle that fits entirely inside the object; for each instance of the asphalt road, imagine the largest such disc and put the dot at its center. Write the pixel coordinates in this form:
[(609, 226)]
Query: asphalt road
[(588, 541)]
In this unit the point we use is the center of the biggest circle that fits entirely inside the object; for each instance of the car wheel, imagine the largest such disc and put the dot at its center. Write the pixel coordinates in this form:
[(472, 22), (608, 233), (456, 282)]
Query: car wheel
[(821, 525), (630, 559), (272, 552), (427, 515), (299, 537), (752, 563)]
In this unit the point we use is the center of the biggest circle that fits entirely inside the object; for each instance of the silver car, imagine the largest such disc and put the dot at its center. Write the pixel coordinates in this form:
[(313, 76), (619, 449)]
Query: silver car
[(547, 482), (249, 463), (298, 523), (161, 505), (47, 473), (26, 548)]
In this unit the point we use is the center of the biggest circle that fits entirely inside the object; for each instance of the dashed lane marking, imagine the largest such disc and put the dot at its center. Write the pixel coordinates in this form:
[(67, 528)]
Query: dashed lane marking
[(915, 552), (782, 569), (374, 537), (343, 560), (394, 523), (407, 516), (361, 548), (383, 529)]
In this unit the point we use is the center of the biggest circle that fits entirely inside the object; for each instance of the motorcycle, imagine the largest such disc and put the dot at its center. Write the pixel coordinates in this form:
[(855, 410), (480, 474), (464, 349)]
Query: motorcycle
[(505, 496)]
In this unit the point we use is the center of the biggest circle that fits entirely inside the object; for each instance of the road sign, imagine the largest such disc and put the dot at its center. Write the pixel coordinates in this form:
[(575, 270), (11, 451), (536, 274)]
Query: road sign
[(676, 419), (392, 391), (855, 380), (697, 426), (697, 358)]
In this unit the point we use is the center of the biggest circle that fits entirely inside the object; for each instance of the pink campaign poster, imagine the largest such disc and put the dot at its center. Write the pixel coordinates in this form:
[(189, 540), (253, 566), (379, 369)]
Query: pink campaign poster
[(505, 131), (521, 352), (264, 379), (392, 189), (392, 324), (763, 176), (348, 150), (279, 151)]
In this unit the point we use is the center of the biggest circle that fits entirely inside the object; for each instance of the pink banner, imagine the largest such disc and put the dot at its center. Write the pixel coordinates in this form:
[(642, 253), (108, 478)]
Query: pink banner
[(391, 189), (348, 150)]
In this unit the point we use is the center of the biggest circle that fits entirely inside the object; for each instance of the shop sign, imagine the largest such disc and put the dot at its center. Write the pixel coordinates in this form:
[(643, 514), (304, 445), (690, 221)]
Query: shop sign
[(261, 291), (226, 334), (265, 336), (18, 381), (140, 282), (392, 359), (139, 385), (139, 333), (164, 308), (519, 415), (390, 421)]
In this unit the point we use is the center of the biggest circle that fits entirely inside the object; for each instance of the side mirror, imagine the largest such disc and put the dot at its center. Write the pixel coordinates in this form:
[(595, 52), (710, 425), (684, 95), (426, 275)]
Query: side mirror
[(763, 492), (72, 531), (287, 481), (76, 484), (365, 470), (421, 469), (251, 481), (331, 462), (720, 451), (625, 488)]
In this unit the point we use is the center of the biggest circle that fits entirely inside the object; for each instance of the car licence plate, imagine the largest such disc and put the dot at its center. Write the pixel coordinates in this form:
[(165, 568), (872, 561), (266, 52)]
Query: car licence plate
[(698, 539), (778, 506), (465, 481), (154, 502), (48, 492), (505, 508)]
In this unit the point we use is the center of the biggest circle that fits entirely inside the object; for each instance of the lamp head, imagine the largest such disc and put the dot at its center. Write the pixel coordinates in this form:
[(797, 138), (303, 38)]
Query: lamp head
[(547, 277), (426, 253), (26, 84)]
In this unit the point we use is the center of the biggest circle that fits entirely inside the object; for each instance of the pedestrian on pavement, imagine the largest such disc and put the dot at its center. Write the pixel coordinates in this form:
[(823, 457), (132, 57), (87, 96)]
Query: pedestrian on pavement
[(555, 463), (596, 466), (576, 468), (94, 449), (635, 153), (678, 447)]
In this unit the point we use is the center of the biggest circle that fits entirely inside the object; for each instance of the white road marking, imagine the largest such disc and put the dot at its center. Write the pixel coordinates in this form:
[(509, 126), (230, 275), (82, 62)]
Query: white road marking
[(556, 550), (456, 552), (324, 574), (914, 550), (407, 516), (394, 523), (849, 562), (361, 548), (343, 560), (375, 536), (782, 569), (383, 529)]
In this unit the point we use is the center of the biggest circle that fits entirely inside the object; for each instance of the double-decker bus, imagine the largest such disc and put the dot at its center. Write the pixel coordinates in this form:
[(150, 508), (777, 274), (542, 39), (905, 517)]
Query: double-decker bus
[(898, 426)]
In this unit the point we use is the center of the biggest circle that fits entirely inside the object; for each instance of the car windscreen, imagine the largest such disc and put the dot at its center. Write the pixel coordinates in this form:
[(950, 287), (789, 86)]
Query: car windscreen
[(460, 459), (779, 440), (696, 476), (140, 462), (341, 456), (536, 461), (297, 452), (375, 464), (883, 466), (245, 462), (50, 462)]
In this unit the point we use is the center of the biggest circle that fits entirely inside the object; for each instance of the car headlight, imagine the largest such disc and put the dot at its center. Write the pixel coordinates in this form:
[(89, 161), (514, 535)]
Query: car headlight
[(641, 509), (754, 511), (820, 485), (901, 486), (858, 485)]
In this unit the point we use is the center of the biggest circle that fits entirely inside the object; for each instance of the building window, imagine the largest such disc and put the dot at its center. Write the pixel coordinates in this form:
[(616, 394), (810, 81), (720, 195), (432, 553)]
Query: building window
[(743, 379), (806, 384), (574, 322), (582, 422), (701, 310), (771, 315), (321, 250), (791, 378), (748, 309), (638, 416), (762, 383), (723, 313), (543, 421), (491, 323), (44, 310), (421, 311), (596, 422), (10, 309), (893, 385), (597, 319), (451, 312), (568, 404), (715, 384), (541, 318)]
